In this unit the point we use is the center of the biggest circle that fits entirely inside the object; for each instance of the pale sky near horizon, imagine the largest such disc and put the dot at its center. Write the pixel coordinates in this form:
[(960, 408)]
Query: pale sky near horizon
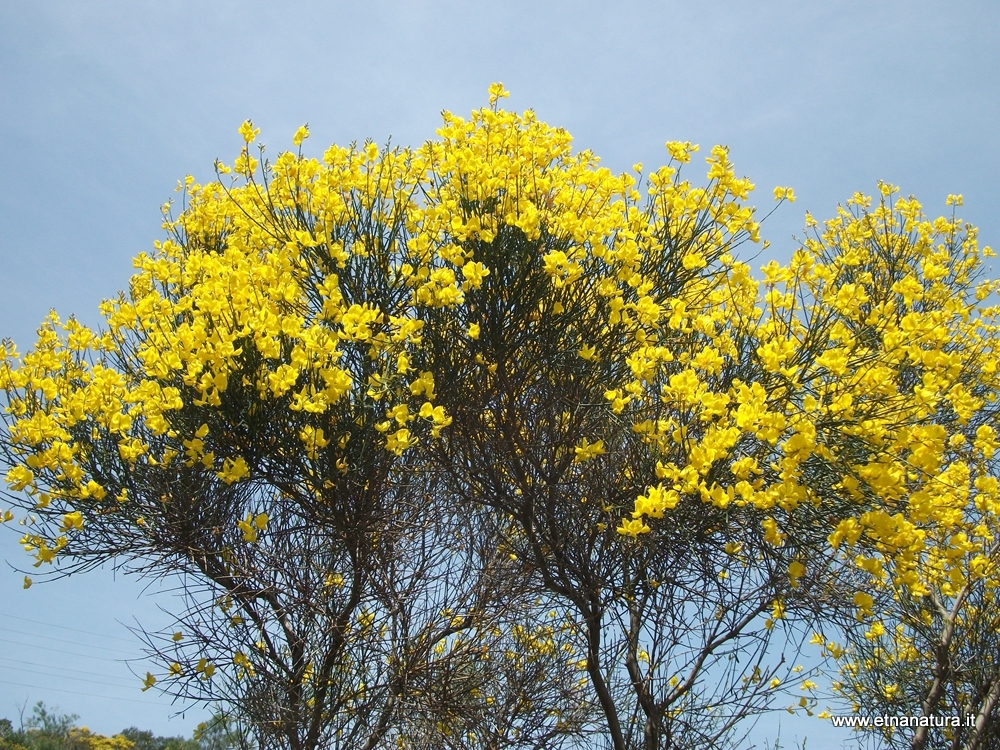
[(104, 106)]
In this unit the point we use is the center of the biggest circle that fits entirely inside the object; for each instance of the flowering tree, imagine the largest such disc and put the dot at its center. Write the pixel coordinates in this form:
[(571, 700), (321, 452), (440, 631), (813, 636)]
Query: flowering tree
[(924, 648), (588, 376), (247, 420), (476, 445)]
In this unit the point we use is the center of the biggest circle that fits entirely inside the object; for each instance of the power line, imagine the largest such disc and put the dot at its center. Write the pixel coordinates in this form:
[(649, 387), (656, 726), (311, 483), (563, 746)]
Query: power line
[(71, 653), (49, 666), (76, 692), (63, 640), (41, 673), (65, 627)]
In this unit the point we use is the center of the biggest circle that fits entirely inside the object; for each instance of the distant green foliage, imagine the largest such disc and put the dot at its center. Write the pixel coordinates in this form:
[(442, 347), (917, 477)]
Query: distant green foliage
[(43, 730), (7, 739), (143, 739), (47, 729)]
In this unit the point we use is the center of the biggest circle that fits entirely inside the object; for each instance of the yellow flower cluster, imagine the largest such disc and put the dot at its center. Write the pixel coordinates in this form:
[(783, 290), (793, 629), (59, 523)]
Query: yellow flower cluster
[(297, 296), (878, 367), (288, 297)]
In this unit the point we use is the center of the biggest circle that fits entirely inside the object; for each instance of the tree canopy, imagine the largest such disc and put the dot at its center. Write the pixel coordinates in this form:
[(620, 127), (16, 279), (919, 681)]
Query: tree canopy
[(479, 444), (45, 729)]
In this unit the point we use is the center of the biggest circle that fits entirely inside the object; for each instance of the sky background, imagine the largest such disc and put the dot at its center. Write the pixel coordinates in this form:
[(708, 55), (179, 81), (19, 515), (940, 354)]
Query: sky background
[(104, 106)]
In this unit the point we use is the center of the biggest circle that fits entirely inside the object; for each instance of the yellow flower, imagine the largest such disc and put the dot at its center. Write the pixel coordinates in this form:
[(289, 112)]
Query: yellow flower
[(251, 525), (233, 470), (771, 534), (632, 527), (864, 602), (400, 441), (496, 92), (248, 131), (586, 450), (681, 151), (784, 193), (474, 274), (795, 571)]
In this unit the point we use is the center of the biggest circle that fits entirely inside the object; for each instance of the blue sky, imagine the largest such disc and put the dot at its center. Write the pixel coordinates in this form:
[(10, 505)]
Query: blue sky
[(105, 105)]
